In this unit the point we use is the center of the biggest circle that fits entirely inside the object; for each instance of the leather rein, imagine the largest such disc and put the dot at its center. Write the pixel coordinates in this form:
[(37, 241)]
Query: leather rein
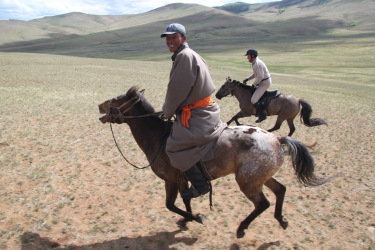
[(122, 117), (232, 89), (157, 114)]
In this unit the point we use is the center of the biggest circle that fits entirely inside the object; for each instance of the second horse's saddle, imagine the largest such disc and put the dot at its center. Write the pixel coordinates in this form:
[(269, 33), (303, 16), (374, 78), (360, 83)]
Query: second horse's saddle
[(267, 96)]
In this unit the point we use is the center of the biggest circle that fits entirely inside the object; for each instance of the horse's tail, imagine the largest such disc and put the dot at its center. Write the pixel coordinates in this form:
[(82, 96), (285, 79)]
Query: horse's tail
[(306, 112), (302, 162)]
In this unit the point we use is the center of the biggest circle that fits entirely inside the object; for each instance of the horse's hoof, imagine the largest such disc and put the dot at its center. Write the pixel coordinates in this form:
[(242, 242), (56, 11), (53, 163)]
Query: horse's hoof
[(182, 223), (200, 218), (283, 223), (240, 233)]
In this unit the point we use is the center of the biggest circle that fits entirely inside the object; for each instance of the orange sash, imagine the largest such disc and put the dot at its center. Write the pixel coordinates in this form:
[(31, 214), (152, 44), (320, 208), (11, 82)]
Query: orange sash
[(186, 114)]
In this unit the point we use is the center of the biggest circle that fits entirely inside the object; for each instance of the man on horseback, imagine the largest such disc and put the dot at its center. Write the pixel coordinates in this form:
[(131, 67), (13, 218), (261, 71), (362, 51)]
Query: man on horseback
[(197, 126), (262, 81)]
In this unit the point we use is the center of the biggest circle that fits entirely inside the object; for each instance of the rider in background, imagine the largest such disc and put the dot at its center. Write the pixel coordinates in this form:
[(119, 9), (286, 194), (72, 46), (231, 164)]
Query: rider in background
[(262, 81)]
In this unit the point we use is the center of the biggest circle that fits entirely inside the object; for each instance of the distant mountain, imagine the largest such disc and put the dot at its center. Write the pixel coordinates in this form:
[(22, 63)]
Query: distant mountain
[(237, 8), (349, 14), (228, 26)]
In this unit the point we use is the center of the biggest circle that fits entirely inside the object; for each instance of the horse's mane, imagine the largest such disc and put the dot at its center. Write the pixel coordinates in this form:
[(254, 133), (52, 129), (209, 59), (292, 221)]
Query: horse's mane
[(241, 84), (133, 92)]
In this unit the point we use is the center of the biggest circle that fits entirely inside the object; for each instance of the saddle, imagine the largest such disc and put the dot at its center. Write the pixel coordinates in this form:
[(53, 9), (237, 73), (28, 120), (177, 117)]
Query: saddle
[(267, 96)]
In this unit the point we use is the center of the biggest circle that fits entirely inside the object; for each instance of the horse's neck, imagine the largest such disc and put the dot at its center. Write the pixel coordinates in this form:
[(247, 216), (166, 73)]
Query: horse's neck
[(148, 133), (242, 94)]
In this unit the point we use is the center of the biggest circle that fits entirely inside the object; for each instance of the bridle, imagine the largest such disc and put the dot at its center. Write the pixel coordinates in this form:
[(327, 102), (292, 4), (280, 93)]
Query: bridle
[(232, 89), (122, 117), (120, 113)]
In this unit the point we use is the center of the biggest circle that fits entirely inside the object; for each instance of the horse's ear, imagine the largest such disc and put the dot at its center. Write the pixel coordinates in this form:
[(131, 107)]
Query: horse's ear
[(143, 91), (229, 79)]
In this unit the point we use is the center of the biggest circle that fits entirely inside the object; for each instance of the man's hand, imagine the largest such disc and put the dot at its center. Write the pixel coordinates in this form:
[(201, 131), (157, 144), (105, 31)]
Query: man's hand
[(161, 115)]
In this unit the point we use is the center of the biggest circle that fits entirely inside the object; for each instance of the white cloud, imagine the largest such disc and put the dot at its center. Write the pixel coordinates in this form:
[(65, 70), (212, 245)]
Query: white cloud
[(31, 9)]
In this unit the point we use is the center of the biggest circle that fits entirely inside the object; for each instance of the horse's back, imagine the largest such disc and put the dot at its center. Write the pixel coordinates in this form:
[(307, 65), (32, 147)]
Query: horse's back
[(246, 151), (286, 105)]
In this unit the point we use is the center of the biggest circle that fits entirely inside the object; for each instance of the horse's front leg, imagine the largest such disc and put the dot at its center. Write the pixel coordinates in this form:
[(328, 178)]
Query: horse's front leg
[(171, 190), (235, 118)]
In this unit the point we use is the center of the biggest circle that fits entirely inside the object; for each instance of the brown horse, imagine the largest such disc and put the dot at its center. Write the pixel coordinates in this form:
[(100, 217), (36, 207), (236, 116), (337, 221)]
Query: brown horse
[(285, 106), (252, 154)]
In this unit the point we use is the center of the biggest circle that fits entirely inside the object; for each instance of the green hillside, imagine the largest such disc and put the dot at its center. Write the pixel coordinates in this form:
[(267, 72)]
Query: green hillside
[(213, 30), (238, 7)]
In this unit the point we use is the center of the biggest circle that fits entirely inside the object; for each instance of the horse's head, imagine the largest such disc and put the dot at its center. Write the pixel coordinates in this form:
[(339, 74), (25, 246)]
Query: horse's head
[(227, 88), (116, 109)]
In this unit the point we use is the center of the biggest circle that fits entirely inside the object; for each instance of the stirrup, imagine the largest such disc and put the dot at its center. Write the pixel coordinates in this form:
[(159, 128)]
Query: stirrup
[(193, 193)]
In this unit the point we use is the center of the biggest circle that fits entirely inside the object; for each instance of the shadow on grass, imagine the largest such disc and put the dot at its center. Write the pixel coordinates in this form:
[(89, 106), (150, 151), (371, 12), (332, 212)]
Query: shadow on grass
[(162, 240)]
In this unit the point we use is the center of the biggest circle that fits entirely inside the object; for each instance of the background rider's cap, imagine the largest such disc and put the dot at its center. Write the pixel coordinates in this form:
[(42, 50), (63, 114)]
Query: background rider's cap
[(174, 28)]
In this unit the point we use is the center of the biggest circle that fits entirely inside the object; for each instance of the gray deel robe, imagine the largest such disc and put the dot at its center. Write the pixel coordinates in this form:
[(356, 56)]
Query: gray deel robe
[(190, 81)]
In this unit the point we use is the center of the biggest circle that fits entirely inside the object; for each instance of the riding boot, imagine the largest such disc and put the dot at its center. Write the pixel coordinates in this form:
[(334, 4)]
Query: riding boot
[(260, 113), (199, 185)]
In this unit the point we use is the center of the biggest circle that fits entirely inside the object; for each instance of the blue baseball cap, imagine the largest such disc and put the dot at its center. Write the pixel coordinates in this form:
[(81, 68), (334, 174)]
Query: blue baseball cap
[(174, 28)]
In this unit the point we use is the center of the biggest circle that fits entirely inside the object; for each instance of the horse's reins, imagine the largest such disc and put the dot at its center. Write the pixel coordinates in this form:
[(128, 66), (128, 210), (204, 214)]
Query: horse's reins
[(122, 116), (231, 89)]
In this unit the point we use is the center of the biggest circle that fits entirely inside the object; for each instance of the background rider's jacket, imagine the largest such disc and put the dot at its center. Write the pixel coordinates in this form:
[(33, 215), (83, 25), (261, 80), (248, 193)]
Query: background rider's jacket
[(260, 71)]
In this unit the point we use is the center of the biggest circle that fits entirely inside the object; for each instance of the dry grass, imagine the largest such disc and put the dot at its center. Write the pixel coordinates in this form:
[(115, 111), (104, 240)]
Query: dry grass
[(62, 180)]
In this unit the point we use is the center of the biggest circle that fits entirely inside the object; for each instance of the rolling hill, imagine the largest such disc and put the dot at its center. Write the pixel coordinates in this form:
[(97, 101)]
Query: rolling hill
[(214, 29)]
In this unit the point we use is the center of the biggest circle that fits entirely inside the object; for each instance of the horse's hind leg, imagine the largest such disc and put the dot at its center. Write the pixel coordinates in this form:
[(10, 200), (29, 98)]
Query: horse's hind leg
[(278, 123), (291, 126), (279, 190), (261, 204)]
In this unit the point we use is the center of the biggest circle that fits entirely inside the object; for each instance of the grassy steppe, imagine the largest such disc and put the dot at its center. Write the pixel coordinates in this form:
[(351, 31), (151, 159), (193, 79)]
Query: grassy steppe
[(61, 176)]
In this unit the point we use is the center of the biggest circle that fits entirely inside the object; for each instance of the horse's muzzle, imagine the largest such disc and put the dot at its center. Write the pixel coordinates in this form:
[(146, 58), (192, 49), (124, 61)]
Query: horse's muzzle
[(102, 110), (105, 119)]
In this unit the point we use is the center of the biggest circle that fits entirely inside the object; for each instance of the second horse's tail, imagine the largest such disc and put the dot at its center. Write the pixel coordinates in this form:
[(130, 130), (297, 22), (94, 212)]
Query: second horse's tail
[(302, 162), (306, 112)]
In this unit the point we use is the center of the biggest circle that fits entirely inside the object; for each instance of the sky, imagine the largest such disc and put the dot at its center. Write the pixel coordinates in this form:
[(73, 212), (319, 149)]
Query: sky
[(32, 9)]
